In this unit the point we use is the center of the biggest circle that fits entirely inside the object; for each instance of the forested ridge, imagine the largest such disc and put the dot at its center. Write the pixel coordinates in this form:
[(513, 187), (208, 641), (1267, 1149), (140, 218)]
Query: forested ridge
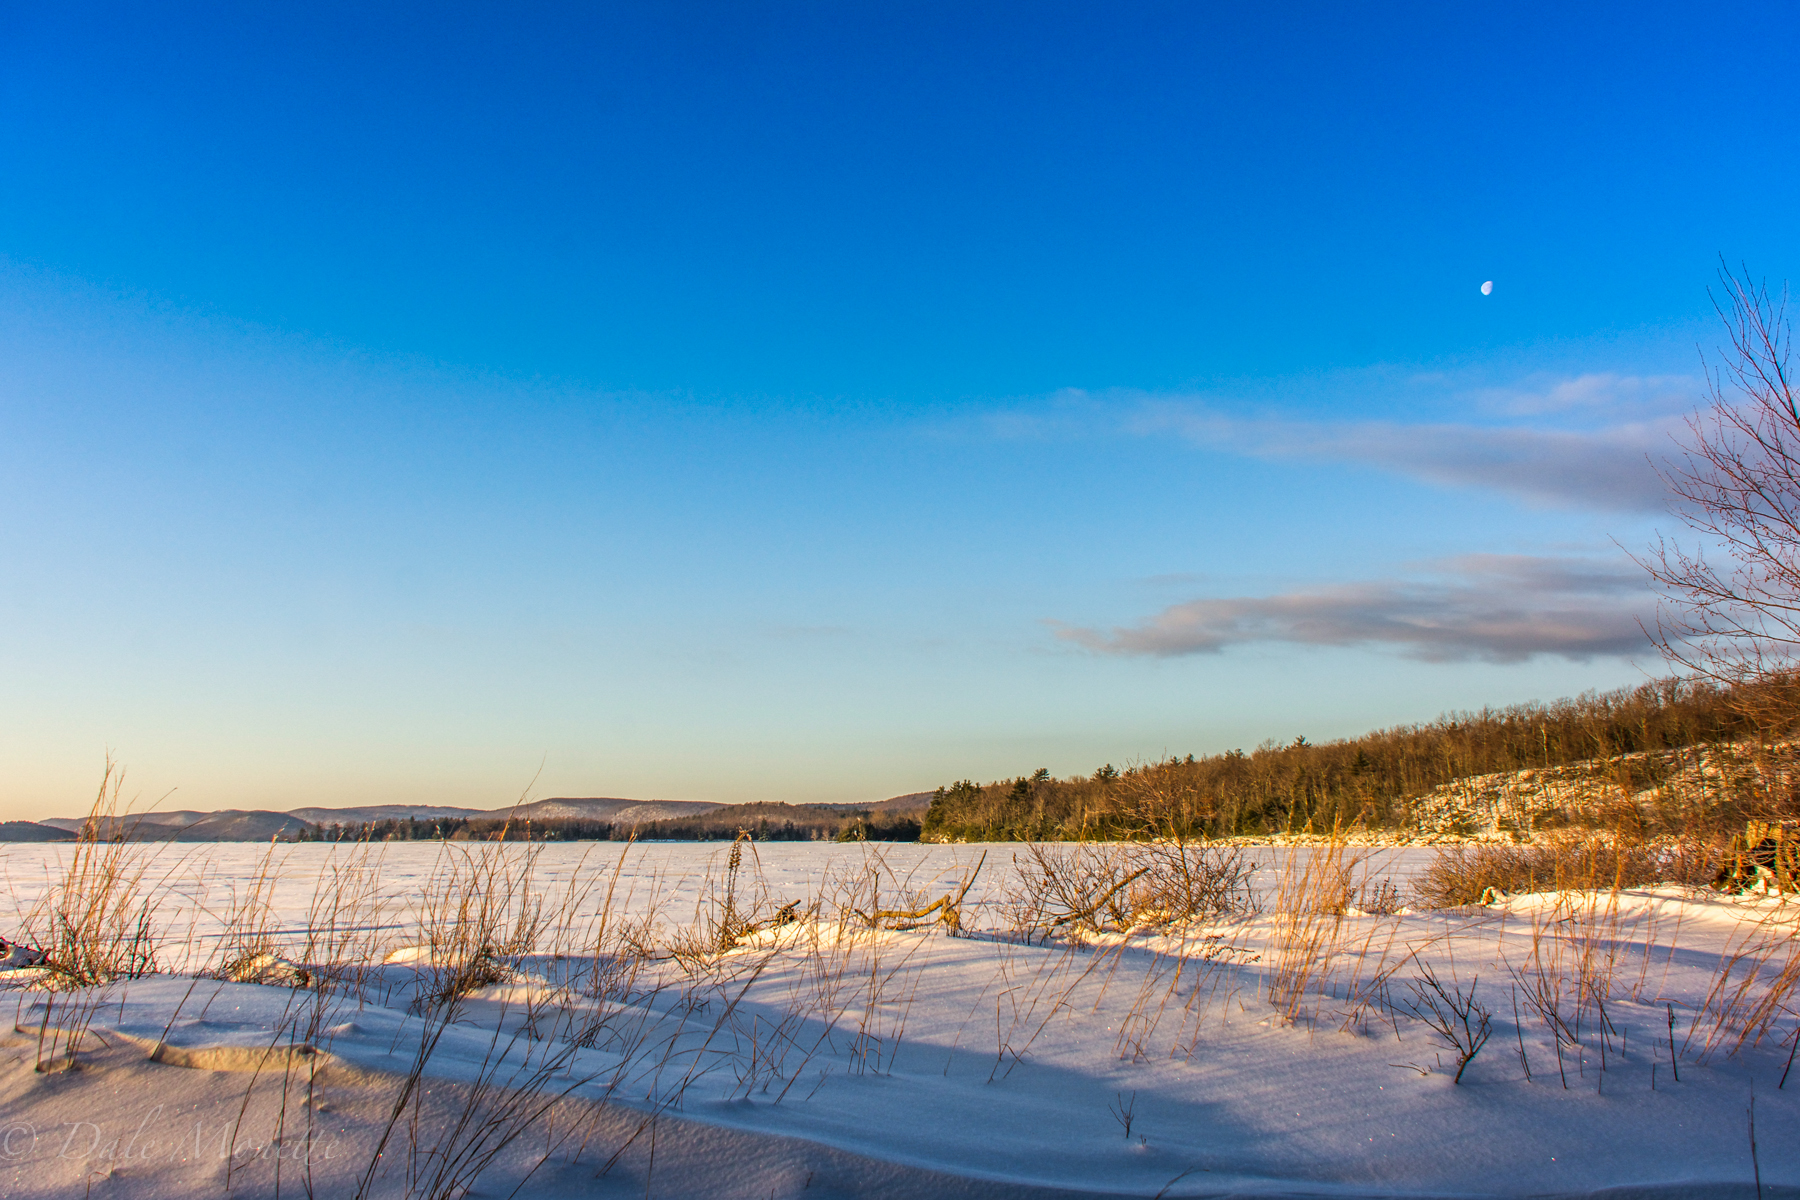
[(765, 822), (1294, 787), (1363, 781)]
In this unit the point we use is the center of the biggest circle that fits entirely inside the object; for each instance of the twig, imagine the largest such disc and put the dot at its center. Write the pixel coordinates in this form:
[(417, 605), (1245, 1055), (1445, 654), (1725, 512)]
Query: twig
[(1519, 1031), (1754, 1165), (1672, 1067)]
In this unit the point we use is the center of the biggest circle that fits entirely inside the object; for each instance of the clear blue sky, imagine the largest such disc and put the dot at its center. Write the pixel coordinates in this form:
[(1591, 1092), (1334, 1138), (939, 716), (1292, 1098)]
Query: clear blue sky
[(819, 402)]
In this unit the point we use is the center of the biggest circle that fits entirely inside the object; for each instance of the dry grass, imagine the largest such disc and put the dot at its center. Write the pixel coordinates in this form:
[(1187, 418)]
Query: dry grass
[(345, 918), (1566, 975), (479, 914), (523, 1074), (1361, 980), (1313, 894), (1754, 986), (483, 916), (849, 974), (731, 907), (95, 924), (246, 951), (1471, 874), (1196, 978), (1030, 990)]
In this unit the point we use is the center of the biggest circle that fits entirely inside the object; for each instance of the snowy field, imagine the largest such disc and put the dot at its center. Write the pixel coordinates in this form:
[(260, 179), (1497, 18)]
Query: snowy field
[(572, 1023)]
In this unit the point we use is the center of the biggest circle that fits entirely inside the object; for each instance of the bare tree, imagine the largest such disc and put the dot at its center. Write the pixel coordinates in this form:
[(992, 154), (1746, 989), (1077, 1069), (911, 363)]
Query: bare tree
[(1731, 608)]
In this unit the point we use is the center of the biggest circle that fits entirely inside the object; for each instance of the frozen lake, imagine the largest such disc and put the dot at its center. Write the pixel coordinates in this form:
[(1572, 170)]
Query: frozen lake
[(196, 884), (1306, 1049)]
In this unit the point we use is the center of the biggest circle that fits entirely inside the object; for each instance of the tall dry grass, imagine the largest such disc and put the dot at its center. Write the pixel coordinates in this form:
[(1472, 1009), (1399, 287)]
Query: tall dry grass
[(1472, 873), (478, 914), (1313, 894), (246, 950), (96, 923), (1756, 985), (345, 918)]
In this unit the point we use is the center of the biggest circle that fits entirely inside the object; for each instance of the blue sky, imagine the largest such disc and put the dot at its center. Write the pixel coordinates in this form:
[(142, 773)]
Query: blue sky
[(811, 402)]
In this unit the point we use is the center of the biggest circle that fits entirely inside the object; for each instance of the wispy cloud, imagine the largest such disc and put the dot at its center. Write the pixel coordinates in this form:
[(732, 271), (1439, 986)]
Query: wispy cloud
[(1498, 608), (1588, 441), (1596, 393), (1611, 467)]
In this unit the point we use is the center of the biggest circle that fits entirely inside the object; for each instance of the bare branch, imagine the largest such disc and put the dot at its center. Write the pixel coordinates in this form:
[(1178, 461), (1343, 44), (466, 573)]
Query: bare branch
[(1731, 602)]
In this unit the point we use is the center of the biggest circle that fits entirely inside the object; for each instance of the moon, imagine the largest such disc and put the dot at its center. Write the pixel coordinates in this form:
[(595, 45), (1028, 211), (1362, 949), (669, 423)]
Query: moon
[(1487, 289)]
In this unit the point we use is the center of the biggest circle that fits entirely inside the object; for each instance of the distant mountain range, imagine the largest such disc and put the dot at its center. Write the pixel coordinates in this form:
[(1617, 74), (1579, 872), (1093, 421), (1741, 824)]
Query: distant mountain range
[(31, 831), (230, 825), (910, 802), (260, 825), (592, 808)]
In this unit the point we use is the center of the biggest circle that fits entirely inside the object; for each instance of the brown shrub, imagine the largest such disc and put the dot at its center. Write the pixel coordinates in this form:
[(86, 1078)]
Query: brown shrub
[(1118, 888), (1463, 874)]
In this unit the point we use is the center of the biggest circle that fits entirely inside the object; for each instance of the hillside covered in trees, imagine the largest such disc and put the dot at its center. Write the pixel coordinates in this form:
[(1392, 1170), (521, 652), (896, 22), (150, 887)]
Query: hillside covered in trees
[(1381, 780), (765, 822), (1369, 781)]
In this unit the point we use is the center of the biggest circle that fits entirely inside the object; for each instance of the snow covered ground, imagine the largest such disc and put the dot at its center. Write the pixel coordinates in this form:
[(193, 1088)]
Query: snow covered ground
[(196, 883), (1289, 1052)]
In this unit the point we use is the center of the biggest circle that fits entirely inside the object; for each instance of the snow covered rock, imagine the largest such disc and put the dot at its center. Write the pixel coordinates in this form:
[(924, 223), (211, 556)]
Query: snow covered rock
[(14, 955), (268, 969)]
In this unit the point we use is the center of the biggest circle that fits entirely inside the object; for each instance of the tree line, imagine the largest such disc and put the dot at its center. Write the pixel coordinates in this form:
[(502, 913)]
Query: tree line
[(1368, 780), (765, 822), (1291, 787)]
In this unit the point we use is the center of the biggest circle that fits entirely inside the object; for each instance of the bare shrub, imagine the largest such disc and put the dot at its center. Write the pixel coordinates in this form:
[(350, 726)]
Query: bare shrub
[(1470, 874), (873, 894), (1460, 875), (1119, 888), (1187, 882), (1453, 1014), (913, 911), (1379, 898), (1695, 859), (1124, 1112)]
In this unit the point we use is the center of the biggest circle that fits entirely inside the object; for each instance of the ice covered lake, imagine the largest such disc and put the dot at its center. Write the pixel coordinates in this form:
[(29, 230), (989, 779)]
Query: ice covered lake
[(196, 883), (1298, 1047)]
